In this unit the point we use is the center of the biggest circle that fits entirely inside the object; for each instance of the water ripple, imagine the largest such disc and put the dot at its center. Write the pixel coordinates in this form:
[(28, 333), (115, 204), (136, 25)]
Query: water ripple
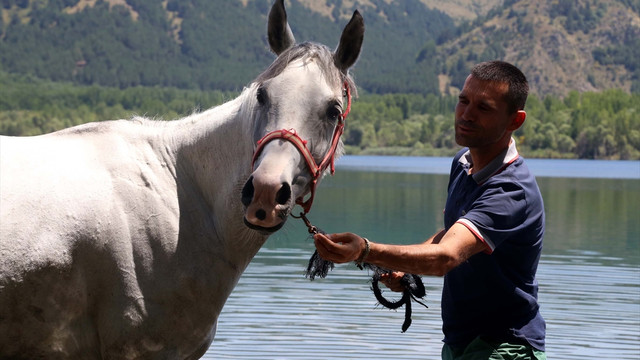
[(592, 312)]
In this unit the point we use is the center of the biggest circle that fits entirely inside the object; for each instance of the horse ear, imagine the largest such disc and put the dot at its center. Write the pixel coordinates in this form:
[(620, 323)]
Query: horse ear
[(350, 43), (280, 35)]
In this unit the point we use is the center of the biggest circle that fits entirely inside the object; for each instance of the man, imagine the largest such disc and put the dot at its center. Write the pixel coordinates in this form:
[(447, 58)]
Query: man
[(489, 250)]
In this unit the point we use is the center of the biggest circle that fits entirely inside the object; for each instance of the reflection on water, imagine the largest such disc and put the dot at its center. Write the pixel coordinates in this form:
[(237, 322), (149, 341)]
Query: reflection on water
[(592, 312), (589, 275), (274, 313), (593, 215), (592, 309)]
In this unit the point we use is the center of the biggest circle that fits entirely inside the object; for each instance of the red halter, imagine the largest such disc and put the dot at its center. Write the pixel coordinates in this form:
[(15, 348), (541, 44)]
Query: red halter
[(316, 170)]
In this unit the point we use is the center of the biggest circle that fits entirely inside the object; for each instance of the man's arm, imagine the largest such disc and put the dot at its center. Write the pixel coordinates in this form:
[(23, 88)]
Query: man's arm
[(436, 256)]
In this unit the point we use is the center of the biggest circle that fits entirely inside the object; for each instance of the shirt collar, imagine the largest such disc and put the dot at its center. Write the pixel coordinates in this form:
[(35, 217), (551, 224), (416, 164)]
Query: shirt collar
[(499, 163)]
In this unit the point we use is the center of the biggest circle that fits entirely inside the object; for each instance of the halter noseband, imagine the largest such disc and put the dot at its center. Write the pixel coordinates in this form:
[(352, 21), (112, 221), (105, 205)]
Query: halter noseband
[(315, 170)]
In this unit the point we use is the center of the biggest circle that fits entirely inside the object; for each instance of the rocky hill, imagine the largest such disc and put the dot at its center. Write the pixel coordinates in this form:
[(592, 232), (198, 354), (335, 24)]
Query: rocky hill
[(582, 45)]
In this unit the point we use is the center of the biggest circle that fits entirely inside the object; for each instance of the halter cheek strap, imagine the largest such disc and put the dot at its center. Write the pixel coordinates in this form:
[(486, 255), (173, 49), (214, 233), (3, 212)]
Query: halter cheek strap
[(315, 170)]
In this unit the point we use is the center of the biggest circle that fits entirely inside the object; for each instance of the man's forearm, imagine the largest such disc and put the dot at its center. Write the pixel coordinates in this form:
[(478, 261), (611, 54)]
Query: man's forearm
[(424, 259)]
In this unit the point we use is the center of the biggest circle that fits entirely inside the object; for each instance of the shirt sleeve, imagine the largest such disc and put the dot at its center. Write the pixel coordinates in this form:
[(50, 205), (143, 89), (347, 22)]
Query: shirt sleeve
[(497, 214)]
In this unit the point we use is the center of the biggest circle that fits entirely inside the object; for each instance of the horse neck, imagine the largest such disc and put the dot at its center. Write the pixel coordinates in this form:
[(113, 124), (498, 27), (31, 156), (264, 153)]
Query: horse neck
[(220, 137), (213, 153)]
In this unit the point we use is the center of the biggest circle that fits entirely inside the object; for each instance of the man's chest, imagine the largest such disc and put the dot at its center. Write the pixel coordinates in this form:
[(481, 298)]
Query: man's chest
[(462, 193)]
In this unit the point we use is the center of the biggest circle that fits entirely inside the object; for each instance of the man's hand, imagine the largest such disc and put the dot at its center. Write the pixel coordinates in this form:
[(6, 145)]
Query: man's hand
[(392, 280), (339, 248), (346, 247)]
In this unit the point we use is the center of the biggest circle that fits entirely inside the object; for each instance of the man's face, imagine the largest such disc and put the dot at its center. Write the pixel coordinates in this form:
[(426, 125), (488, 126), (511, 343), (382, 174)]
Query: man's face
[(482, 118)]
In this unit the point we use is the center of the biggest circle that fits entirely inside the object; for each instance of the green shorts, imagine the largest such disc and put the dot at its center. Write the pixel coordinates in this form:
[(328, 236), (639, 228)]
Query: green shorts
[(480, 349)]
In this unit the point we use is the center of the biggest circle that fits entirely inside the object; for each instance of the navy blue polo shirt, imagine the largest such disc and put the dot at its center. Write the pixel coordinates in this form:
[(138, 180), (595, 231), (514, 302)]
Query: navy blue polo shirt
[(494, 294)]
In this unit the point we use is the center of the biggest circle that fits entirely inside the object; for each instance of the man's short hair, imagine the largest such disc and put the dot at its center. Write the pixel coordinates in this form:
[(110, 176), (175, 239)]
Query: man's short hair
[(504, 72)]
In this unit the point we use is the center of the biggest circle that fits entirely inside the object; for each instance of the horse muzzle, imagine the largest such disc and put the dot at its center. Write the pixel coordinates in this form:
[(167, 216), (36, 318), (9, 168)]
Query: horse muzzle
[(267, 204)]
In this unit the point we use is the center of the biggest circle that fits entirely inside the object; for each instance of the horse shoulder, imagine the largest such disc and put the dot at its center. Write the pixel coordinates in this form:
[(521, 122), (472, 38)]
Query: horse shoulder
[(75, 207)]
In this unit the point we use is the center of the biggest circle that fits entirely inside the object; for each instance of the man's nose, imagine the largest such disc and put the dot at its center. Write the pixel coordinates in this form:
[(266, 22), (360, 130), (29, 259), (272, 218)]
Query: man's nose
[(468, 114)]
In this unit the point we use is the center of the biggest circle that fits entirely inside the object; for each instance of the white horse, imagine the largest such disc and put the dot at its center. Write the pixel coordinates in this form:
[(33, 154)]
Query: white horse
[(123, 239)]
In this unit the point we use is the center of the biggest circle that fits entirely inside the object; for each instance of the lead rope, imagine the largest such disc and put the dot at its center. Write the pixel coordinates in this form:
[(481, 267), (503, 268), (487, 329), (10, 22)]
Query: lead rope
[(413, 286), (317, 266)]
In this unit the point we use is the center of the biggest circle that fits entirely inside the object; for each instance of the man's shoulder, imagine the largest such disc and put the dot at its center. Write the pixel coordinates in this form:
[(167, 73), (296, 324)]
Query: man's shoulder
[(517, 178), (517, 171)]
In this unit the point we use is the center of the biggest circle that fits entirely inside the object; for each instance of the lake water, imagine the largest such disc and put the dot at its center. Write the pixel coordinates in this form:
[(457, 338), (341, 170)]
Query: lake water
[(589, 273)]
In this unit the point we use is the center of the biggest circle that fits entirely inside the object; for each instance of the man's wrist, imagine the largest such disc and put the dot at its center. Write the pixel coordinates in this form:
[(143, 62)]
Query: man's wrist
[(364, 253)]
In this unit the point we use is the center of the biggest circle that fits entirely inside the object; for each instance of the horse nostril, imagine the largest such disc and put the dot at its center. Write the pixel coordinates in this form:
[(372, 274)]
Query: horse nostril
[(247, 192), (261, 214), (283, 195)]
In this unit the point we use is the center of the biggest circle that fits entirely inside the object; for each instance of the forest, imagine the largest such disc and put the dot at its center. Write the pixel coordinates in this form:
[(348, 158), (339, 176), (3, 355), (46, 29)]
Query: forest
[(63, 64), (589, 125), (208, 45), (217, 45)]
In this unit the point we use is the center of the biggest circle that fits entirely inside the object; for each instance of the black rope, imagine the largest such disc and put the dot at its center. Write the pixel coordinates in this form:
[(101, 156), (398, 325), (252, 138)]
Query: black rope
[(413, 290), (318, 267), (413, 286)]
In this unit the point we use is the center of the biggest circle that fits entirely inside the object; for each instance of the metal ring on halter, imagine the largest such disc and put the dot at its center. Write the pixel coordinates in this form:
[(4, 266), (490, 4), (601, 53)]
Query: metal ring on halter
[(311, 228)]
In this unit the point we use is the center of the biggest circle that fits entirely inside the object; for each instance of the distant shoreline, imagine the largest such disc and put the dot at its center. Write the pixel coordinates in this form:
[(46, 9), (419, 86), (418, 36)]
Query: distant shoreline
[(571, 168)]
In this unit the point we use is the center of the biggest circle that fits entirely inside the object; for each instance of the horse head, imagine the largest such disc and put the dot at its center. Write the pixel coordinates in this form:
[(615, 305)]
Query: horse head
[(301, 102)]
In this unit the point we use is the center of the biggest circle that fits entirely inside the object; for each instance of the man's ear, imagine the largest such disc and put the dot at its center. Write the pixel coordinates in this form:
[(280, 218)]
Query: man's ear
[(518, 120)]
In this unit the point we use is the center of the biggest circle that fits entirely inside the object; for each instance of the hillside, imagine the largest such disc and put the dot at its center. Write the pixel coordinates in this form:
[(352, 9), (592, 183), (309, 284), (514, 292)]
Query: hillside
[(582, 45), (411, 46), (461, 10), (203, 44)]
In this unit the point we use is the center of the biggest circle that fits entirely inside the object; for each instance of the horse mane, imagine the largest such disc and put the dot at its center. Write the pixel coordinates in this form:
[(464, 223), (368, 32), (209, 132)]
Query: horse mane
[(308, 51)]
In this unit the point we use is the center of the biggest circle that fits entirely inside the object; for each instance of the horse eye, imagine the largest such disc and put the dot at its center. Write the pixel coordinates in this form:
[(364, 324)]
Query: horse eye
[(334, 112), (261, 96)]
